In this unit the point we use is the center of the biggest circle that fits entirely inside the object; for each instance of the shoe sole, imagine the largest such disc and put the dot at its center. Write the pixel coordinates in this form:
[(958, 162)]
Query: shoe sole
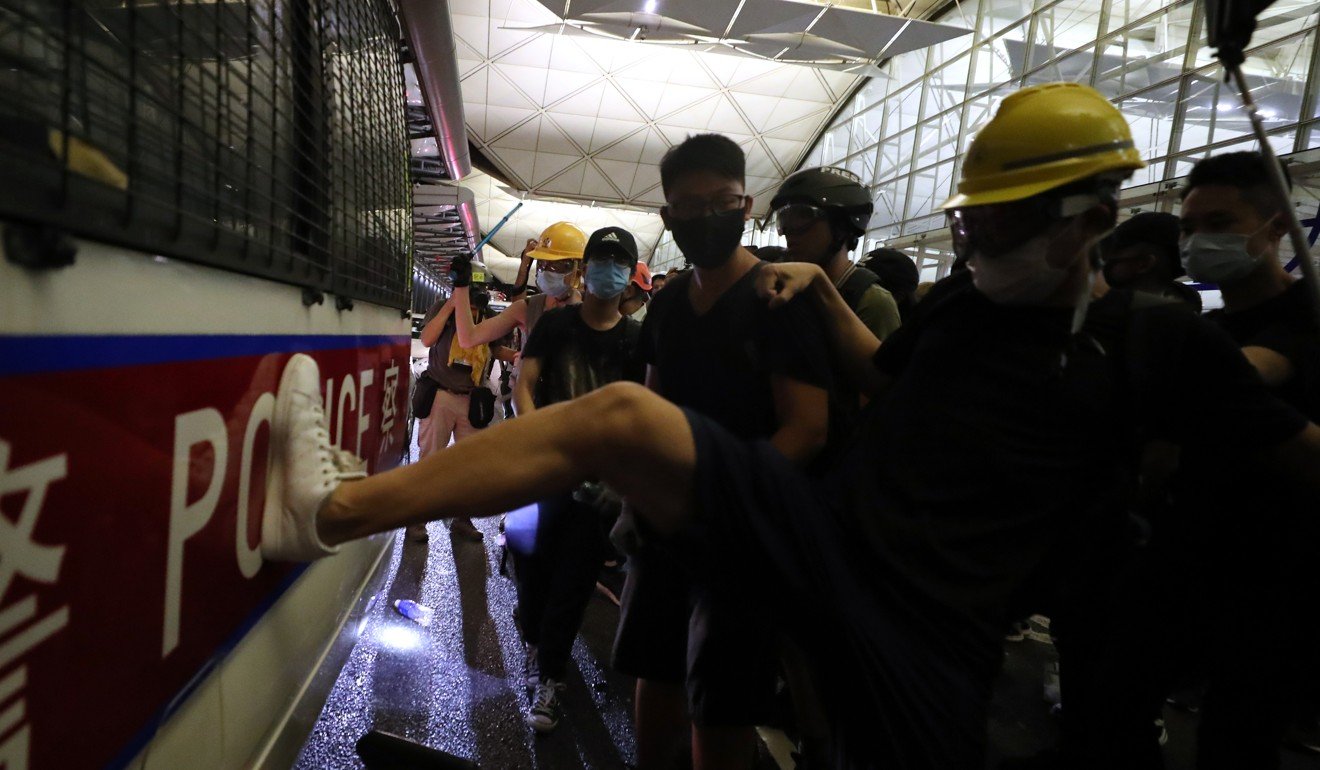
[(273, 512), (542, 727)]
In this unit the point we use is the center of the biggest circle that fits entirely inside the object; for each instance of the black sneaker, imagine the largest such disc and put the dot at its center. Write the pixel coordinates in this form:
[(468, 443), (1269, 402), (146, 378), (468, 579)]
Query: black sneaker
[(544, 715)]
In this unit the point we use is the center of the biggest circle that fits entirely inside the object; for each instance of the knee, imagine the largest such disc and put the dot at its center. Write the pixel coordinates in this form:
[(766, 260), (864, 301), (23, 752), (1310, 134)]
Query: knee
[(621, 408)]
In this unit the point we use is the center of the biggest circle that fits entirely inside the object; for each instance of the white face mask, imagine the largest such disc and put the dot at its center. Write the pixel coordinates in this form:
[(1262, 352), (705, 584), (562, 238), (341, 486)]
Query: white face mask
[(1219, 257), (1022, 276), (553, 284)]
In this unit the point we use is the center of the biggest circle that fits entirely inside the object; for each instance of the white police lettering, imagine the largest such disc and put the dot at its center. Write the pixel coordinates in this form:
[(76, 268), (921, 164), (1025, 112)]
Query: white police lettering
[(205, 427), (365, 378), (389, 392), (19, 555)]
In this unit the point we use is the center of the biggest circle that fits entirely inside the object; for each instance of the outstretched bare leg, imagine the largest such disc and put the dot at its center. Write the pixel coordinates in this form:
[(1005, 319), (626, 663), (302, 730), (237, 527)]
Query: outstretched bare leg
[(623, 435)]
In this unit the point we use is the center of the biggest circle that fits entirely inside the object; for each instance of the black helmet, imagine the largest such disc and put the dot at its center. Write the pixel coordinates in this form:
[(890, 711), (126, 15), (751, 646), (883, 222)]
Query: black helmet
[(829, 188)]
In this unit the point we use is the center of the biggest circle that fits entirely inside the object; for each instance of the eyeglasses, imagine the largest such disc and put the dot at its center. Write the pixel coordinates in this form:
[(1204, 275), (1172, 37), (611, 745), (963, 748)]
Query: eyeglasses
[(796, 218), (695, 208), (561, 266), (997, 228)]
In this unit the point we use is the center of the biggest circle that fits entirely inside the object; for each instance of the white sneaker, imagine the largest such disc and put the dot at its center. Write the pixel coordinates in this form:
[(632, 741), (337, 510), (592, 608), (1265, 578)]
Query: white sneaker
[(544, 716), (304, 467)]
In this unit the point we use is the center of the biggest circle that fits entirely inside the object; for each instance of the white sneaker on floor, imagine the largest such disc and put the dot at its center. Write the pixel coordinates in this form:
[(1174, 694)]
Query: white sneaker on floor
[(304, 467), (544, 716)]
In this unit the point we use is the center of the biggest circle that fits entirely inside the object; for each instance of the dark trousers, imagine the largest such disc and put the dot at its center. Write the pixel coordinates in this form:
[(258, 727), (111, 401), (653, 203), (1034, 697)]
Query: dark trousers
[(556, 580), (1243, 628)]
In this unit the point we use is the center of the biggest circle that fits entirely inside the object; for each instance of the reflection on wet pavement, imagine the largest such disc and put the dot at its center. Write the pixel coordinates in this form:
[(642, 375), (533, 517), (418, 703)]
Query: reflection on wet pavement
[(458, 685)]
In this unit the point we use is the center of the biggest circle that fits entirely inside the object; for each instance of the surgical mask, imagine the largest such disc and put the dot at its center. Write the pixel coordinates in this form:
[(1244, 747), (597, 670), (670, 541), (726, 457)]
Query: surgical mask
[(1218, 257), (553, 284), (606, 279), (708, 241), (1020, 276)]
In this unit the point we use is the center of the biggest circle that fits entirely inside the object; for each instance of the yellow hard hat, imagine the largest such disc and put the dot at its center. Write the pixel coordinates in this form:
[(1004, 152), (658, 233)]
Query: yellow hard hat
[(562, 240), (1043, 137)]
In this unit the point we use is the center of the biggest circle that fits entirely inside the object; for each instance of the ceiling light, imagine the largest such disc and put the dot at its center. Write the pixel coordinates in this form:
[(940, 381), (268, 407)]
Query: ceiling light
[(649, 7)]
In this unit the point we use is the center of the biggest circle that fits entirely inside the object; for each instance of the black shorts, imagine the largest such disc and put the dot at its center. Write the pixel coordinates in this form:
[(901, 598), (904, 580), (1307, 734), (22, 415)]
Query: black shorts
[(671, 630), (904, 682)]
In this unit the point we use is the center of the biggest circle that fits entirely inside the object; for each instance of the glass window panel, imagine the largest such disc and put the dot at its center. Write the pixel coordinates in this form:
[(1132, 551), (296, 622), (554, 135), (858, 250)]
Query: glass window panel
[(866, 129), (906, 68), (938, 139), (889, 197), (923, 224), (947, 86), (1150, 115), (901, 109), (1073, 68), (862, 164), (895, 155), (998, 14), (834, 144), (1064, 26), (931, 186), (1123, 13), (1000, 60), (1213, 110)]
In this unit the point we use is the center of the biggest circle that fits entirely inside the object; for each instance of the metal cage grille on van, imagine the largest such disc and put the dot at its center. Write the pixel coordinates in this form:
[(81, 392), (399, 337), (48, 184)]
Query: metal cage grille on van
[(262, 136)]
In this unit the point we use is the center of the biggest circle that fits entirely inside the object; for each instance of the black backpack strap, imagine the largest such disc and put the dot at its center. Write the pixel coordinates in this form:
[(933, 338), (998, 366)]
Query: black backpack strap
[(856, 284)]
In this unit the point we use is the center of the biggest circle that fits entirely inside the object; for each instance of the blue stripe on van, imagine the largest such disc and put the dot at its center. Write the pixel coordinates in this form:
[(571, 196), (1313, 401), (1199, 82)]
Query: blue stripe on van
[(65, 353)]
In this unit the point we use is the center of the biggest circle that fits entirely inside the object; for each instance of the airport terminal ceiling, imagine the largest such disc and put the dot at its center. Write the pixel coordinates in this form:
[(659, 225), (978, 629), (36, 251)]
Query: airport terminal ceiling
[(568, 116), (579, 113)]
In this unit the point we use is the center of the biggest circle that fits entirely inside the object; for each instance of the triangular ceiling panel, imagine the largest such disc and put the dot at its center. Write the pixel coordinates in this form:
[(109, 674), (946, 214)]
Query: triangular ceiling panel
[(630, 148), (727, 120), (676, 98), (607, 132), (596, 186), (521, 162), (643, 93), (571, 113), (567, 183), (534, 53), (550, 165), (554, 140), (501, 119), (620, 173), (648, 176), (696, 117), (528, 80), (565, 83), (585, 102), (758, 110)]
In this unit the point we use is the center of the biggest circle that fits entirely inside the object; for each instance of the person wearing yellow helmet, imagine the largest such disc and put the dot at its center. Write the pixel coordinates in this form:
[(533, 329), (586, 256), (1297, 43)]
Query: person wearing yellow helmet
[(894, 574), (558, 253)]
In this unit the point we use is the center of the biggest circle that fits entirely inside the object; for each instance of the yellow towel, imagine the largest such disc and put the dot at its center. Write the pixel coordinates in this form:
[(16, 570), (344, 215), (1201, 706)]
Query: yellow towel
[(475, 357)]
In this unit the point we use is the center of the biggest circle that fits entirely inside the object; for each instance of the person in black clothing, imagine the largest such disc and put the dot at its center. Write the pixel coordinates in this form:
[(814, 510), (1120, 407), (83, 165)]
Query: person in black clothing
[(1239, 542), (572, 351), (896, 575), (713, 347), (1142, 254), (897, 273)]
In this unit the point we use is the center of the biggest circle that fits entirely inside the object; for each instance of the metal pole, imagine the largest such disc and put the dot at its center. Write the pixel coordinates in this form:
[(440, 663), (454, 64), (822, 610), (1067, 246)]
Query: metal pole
[(1300, 247), (495, 229)]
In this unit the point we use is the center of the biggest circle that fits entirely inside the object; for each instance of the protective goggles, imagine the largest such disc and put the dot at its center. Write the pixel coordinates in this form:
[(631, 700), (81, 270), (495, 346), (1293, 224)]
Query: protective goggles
[(796, 218), (998, 228)]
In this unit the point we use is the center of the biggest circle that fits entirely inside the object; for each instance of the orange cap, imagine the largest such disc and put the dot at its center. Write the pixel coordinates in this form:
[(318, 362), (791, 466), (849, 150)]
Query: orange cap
[(642, 276)]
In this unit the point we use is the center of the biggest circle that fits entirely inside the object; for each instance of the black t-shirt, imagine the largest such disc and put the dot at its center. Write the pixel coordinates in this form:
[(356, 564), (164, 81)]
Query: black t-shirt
[(576, 359), (1287, 326), (720, 363), (1002, 430), (1238, 508)]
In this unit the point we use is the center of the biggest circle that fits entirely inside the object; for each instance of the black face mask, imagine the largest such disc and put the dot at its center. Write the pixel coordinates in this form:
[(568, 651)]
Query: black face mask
[(708, 241)]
